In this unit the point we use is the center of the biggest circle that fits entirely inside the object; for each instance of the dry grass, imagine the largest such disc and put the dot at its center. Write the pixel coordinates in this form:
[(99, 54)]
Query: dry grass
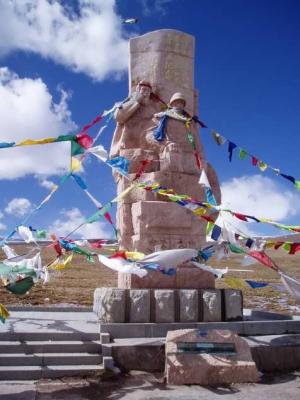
[(76, 284)]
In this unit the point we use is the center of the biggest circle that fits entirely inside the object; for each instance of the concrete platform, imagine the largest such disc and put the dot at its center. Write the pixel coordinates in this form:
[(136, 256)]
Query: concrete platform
[(244, 328), (271, 353)]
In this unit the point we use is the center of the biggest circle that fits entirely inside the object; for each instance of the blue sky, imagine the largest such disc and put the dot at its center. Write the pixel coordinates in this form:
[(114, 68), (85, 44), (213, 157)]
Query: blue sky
[(54, 81)]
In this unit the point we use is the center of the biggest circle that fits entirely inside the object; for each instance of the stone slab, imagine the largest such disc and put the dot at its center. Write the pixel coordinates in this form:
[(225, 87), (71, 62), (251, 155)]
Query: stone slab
[(109, 304), (233, 304), (188, 305), (164, 305), (204, 368), (139, 305), (211, 305)]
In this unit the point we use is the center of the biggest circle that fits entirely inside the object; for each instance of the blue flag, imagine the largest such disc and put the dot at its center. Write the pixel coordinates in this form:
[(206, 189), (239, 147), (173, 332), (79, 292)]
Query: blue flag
[(121, 164)]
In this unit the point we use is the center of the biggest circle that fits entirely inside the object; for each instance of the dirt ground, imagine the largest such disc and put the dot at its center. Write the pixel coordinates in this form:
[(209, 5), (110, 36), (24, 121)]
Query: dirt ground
[(76, 284)]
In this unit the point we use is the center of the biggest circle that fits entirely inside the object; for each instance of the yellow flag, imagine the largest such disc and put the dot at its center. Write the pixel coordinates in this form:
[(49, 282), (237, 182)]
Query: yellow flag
[(262, 166), (61, 265), (29, 142), (4, 314), (75, 164), (123, 194), (134, 255), (199, 211)]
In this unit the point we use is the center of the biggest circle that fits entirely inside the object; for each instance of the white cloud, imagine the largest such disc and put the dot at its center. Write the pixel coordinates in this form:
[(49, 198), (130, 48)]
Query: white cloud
[(2, 225), (73, 218), (155, 6), (261, 197), (90, 41), (18, 207), (27, 110), (46, 183)]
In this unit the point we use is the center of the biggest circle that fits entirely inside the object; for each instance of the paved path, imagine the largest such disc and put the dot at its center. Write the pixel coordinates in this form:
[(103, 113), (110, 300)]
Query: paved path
[(51, 322), (142, 386)]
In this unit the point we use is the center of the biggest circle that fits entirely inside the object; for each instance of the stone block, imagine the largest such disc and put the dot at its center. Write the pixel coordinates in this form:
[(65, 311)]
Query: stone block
[(211, 305), (153, 279), (109, 304), (233, 304), (139, 305), (190, 277), (188, 305), (160, 217), (210, 367), (164, 305), (186, 278)]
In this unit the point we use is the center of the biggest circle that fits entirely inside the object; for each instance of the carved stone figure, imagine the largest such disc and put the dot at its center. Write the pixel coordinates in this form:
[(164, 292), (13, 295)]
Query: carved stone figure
[(161, 68)]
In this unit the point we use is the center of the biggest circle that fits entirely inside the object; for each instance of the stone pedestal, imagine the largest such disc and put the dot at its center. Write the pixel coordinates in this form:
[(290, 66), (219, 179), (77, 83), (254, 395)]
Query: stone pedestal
[(209, 369)]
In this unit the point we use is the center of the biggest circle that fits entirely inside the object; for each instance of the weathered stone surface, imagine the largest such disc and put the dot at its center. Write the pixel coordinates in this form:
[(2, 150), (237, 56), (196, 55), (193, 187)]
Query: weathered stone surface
[(211, 305), (124, 220), (190, 277), (188, 305), (109, 304), (159, 217), (139, 305), (233, 304), (208, 369), (164, 305), (185, 278)]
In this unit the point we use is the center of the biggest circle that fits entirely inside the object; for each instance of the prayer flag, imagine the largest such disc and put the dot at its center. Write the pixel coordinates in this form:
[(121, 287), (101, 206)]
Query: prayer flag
[(231, 147), (121, 164), (256, 285)]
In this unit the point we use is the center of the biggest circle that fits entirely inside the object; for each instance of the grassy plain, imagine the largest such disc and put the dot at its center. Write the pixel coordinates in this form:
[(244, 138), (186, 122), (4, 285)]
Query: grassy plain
[(76, 284)]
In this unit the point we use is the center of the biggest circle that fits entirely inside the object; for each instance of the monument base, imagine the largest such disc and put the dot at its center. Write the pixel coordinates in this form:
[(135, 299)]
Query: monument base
[(114, 305)]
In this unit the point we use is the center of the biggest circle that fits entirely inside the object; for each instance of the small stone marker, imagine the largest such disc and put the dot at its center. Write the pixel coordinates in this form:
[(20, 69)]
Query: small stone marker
[(212, 357)]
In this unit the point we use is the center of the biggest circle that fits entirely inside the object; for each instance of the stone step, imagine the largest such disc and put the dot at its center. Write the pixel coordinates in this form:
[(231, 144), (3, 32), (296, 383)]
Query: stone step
[(47, 335), (47, 359), (50, 346), (54, 371)]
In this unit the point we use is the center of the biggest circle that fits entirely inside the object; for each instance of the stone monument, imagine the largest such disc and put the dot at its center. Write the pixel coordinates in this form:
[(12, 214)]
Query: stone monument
[(161, 72)]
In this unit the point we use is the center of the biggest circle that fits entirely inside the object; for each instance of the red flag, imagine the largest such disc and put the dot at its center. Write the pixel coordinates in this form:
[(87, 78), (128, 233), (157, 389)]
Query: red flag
[(88, 126), (277, 245), (295, 247), (198, 160), (242, 217), (98, 244), (84, 140), (254, 161), (119, 254), (142, 168), (263, 258)]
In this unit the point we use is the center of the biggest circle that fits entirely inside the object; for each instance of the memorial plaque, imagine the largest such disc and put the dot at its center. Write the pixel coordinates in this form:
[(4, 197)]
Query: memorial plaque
[(226, 349)]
